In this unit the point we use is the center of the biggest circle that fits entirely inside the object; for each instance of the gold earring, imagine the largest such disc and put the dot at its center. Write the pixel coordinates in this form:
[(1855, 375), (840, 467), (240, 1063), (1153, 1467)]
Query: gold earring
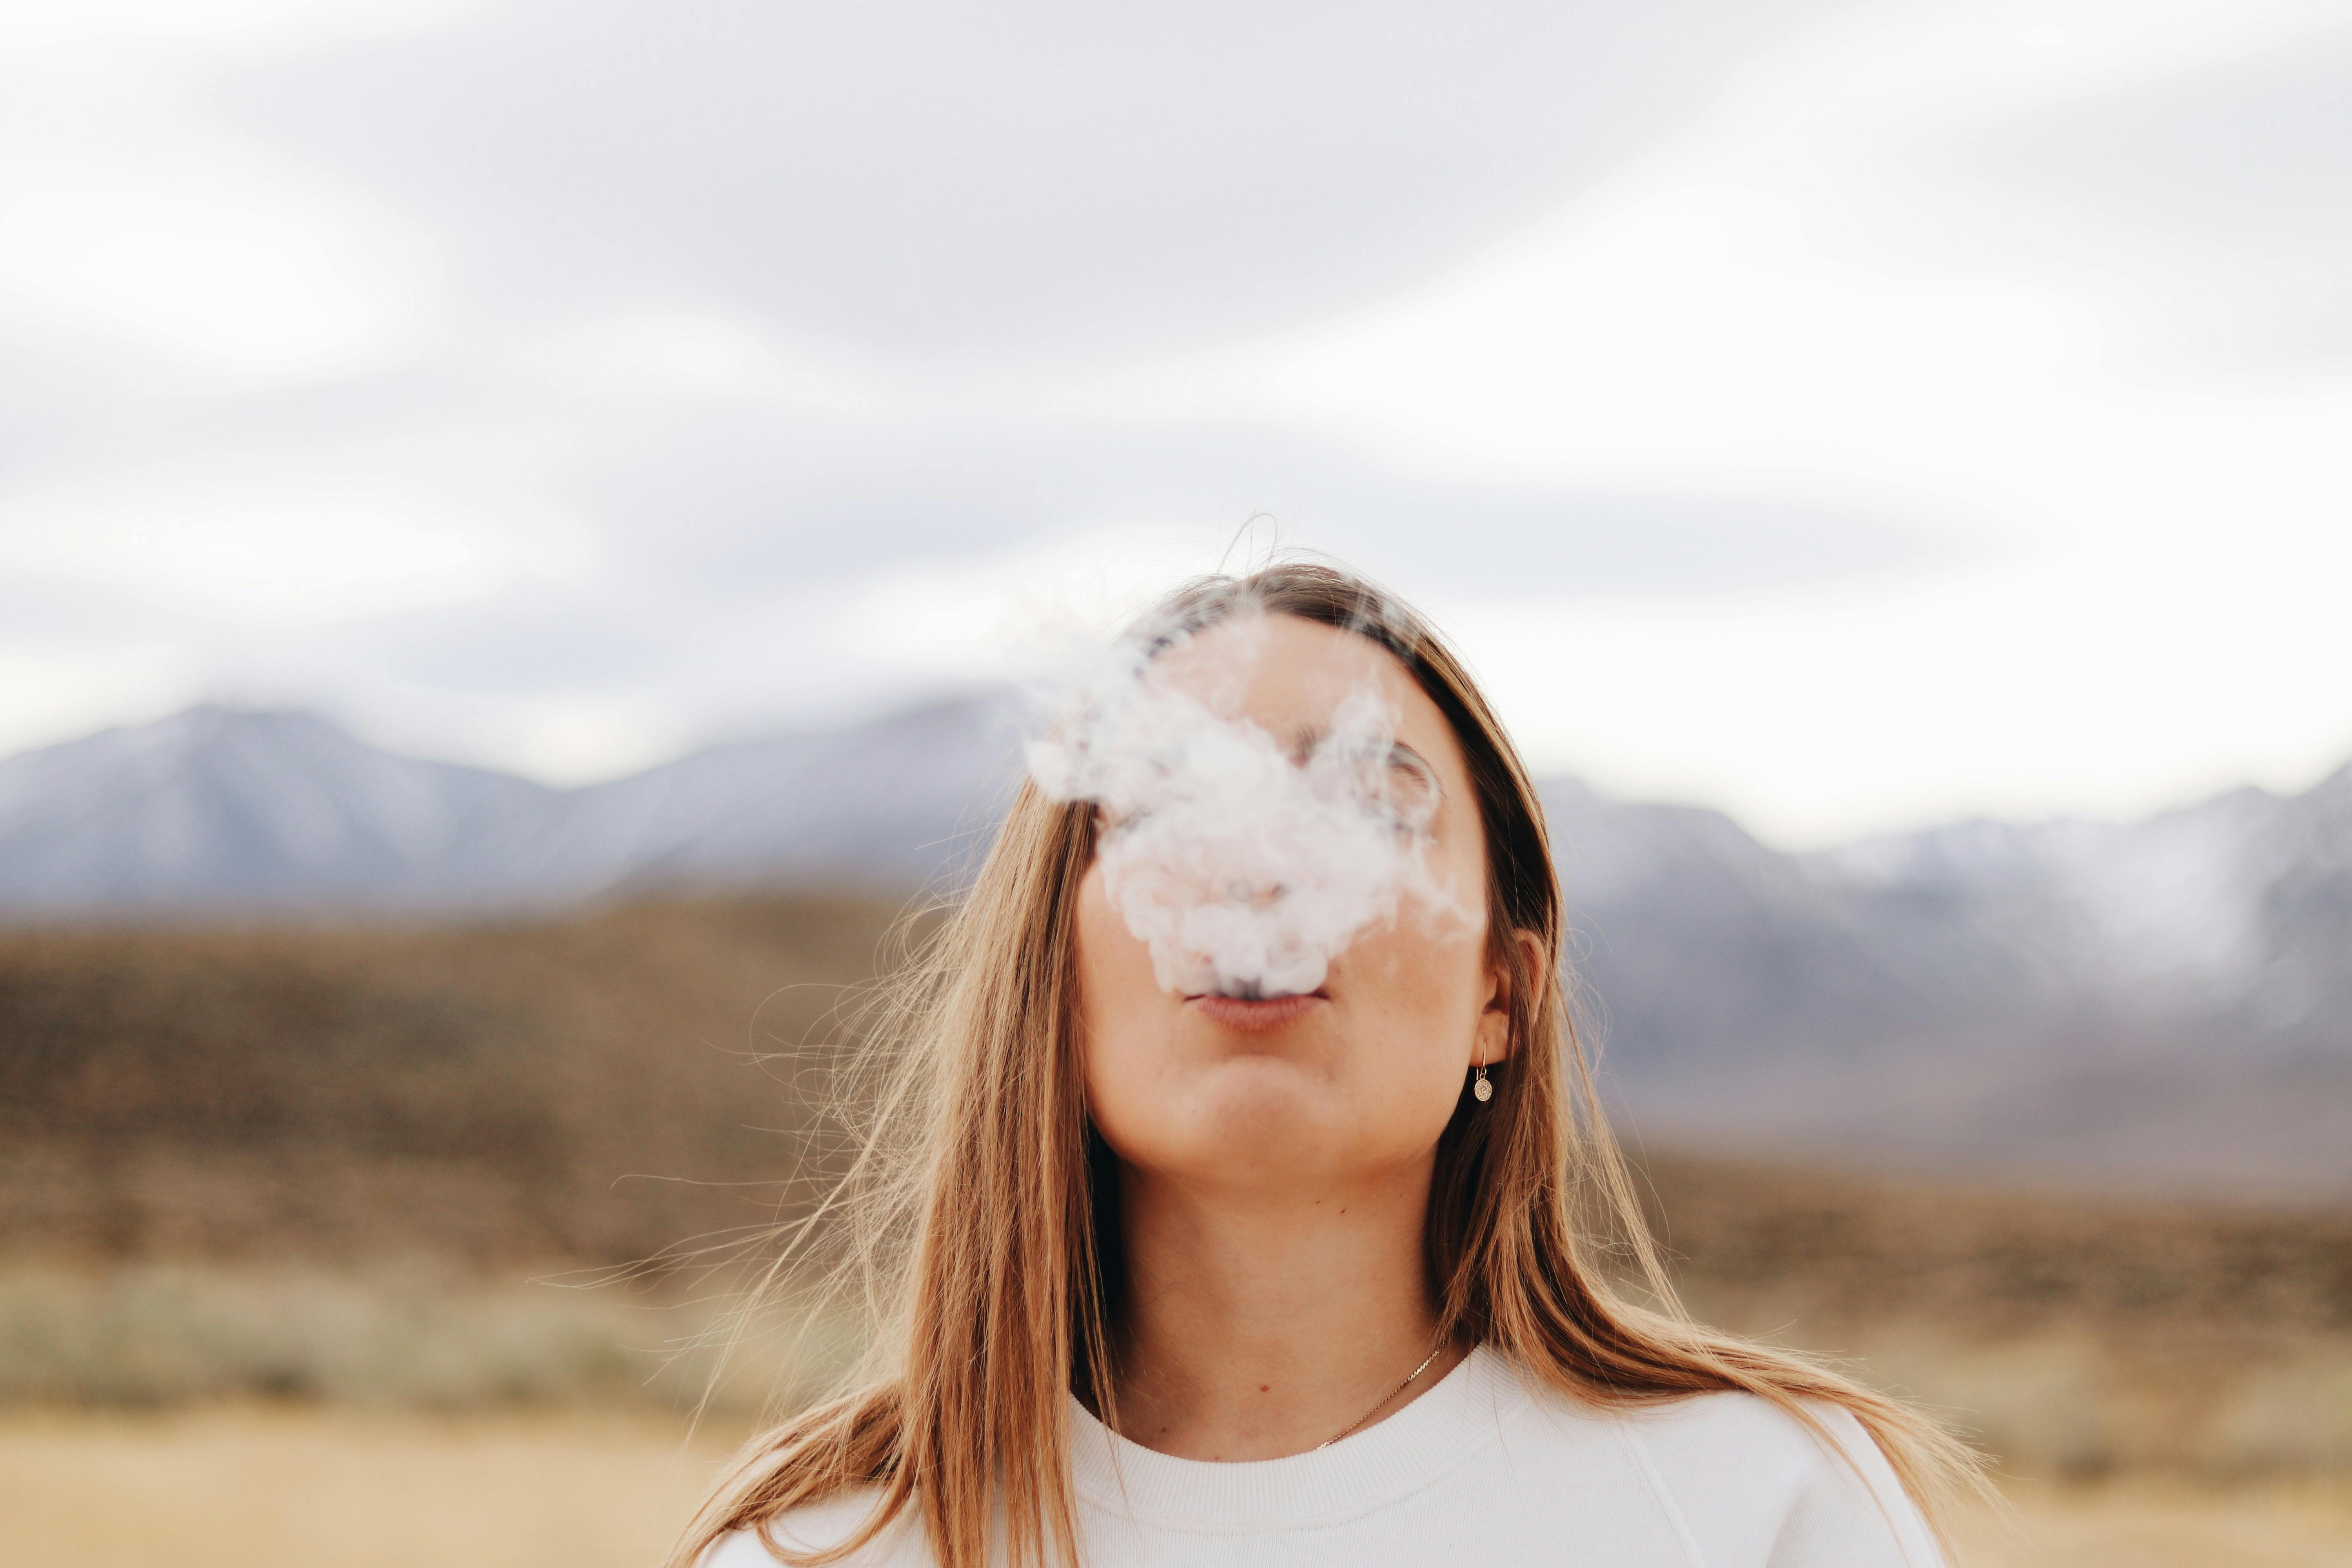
[(1481, 1090)]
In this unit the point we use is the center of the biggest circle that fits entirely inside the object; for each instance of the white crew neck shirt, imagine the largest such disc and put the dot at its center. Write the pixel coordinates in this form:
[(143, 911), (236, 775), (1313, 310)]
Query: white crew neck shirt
[(1481, 1469)]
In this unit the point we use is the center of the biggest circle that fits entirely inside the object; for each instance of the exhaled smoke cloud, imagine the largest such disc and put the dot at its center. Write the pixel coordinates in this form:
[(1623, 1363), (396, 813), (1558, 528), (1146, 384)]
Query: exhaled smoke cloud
[(1245, 859)]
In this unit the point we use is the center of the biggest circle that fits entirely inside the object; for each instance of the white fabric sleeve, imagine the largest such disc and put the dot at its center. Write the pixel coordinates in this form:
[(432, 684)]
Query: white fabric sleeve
[(1745, 1484), (817, 1526), (1842, 1519)]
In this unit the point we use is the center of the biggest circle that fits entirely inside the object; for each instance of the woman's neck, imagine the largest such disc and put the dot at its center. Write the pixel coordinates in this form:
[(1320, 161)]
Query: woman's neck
[(1259, 1325)]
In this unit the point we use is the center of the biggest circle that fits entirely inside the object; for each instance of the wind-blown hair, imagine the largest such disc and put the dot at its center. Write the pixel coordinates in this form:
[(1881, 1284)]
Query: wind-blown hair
[(983, 1218)]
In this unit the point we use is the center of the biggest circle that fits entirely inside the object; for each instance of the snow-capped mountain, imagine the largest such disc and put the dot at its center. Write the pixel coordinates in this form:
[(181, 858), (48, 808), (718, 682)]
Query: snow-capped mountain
[(218, 807), (232, 810), (2237, 907), (891, 803)]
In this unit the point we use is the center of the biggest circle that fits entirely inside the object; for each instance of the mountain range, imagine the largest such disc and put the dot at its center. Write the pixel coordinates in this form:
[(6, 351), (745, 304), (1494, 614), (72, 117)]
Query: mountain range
[(2164, 1002), (223, 810)]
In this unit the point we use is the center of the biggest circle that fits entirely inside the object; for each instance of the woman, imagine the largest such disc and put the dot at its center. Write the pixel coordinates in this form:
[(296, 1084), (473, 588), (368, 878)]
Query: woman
[(1331, 1277)]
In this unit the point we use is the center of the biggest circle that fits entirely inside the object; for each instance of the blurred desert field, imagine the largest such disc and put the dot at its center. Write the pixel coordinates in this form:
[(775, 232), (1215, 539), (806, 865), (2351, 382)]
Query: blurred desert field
[(315, 1246), (278, 1488)]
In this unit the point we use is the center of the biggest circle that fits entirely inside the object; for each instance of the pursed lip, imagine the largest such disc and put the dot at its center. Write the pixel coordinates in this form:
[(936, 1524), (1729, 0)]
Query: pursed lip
[(1255, 1017)]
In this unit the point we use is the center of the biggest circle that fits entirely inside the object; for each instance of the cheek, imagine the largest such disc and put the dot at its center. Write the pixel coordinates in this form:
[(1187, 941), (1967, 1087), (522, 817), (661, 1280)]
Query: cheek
[(1412, 999), (1122, 1012), (1114, 963), (1430, 963), (1456, 863), (1421, 981)]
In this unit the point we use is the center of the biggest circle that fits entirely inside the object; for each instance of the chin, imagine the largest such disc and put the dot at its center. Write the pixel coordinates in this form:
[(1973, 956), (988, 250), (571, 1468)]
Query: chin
[(1259, 1113)]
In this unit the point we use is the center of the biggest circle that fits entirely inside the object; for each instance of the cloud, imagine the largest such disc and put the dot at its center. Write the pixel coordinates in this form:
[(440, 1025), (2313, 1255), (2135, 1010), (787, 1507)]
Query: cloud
[(2218, 195), (1047, 181), (741, 501), (570, 383), (671, 580), (228, 283), (532, 642), (219, 24), (307, 537)]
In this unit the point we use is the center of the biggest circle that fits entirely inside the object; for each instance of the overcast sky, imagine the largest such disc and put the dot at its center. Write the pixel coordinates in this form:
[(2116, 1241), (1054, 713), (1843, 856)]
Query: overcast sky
[(1852, 414)]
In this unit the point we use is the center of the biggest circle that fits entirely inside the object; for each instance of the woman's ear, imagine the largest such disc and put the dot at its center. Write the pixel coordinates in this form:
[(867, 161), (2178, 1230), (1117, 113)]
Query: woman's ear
[(1494, 1019)]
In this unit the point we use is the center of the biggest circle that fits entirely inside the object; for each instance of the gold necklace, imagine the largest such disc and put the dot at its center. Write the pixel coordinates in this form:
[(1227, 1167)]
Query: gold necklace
[(1351, 1427)]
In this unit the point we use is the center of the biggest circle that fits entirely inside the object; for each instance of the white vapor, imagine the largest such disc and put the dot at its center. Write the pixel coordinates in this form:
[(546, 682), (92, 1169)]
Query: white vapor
[(1246, 861)]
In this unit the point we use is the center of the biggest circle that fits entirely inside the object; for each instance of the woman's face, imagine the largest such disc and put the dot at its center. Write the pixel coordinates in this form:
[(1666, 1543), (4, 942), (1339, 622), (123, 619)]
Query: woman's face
[(1363, 1075)]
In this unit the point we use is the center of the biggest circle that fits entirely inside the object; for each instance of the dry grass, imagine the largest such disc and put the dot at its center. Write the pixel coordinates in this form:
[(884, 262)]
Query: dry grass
[(261, 1489), (2075, 1338), (320, 1168), (2142, 1523), (596, 1087), (415, 1335), (279, 1488)]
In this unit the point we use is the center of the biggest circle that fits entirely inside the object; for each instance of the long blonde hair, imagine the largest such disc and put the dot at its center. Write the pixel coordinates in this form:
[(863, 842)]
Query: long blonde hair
[(981, 1221)]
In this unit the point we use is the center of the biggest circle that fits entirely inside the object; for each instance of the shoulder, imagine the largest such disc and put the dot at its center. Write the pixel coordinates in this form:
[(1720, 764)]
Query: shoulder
[(821, 1527), (1749, 1483)]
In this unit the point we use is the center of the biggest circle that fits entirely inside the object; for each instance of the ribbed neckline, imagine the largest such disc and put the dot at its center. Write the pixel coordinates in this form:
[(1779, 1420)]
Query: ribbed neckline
[(1447, 1427)]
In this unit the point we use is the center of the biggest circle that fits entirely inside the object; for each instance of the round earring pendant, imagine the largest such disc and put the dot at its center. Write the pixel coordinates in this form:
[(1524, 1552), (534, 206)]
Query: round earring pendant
[(1483, 1090)]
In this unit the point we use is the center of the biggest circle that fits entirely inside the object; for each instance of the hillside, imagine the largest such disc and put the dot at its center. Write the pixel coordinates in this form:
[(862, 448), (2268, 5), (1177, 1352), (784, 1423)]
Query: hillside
[(324, 1159), (493, 1092)]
